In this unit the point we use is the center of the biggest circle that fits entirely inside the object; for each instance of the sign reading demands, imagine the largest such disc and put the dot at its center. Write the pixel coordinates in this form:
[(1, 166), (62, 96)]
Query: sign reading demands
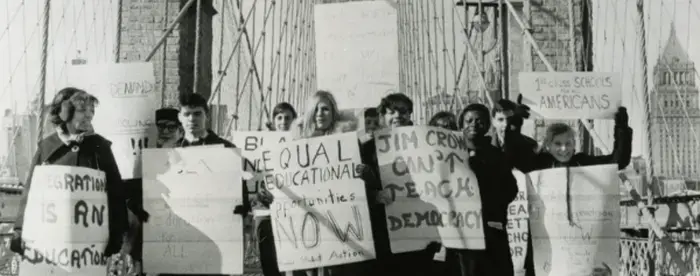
[(66, 222), (578, 234), (128, 97), (320, 215), (255, 147), (517, 225), (367, 47), (572, 95), (436, 195), (191, 194)]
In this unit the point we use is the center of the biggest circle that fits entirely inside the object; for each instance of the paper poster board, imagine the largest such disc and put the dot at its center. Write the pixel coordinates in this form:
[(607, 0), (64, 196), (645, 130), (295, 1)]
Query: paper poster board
[(517, 225), (427, 171), (66, 222), (571, 95), (126, 113), (255, 147), (320, 215), (366, 46), (583, 238), (190, 194)]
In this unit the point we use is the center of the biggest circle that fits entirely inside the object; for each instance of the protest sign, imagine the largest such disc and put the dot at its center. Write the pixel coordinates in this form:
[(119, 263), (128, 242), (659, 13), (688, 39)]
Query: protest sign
[(255, 146), (517, 225), (575, 230), (66, 222), (320, 215), (367, 47), (128, 97), (190, 194), (436, 194), (571, 95)]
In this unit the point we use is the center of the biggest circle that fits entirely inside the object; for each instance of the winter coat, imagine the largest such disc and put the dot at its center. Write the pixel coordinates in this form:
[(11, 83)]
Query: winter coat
[(94, 152)]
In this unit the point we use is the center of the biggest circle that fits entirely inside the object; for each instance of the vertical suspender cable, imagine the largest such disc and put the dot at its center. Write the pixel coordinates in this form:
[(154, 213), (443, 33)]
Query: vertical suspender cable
[(118, 40), (44, 58), (198, 38)]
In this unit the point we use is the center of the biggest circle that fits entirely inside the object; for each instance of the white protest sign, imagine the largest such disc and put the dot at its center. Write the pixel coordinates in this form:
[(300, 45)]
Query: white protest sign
[(126, 114), (66, 222), (320, 215), (583, 236), (190, 194), (255, 147), (571, 95), (436, 194), (367, 47), (517, 225)]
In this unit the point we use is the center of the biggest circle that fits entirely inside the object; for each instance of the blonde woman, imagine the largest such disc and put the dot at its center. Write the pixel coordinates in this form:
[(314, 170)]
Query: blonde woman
[(323, 118)]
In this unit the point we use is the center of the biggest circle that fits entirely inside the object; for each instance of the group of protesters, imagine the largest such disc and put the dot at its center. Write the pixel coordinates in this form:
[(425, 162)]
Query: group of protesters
[(494, 140)]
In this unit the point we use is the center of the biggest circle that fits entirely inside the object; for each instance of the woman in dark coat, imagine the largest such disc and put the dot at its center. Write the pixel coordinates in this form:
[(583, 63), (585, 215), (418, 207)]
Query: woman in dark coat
[(497, 188), (75, 144), (558, 150)]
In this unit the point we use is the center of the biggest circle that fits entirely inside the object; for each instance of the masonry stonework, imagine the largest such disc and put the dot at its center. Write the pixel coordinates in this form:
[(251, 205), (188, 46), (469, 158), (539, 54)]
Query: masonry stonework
[(145, 21), (549, 23)]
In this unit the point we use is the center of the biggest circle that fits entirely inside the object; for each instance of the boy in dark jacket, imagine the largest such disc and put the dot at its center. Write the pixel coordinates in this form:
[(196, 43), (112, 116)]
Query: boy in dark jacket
[(193, 116)]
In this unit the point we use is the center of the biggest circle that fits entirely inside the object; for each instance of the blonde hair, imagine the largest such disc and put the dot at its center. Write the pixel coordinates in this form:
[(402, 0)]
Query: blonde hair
[(555, 130), (307, 126)]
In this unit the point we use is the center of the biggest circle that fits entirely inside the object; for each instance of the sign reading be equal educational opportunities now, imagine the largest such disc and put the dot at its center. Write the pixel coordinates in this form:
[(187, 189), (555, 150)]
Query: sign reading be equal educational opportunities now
[(571, 95)]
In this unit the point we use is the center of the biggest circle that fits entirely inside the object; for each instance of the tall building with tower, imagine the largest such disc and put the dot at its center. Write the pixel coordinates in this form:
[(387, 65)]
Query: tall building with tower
[(675, 114)]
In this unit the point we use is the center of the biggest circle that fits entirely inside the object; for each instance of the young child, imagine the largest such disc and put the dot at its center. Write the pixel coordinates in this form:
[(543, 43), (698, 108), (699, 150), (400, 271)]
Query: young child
[(558, 150)]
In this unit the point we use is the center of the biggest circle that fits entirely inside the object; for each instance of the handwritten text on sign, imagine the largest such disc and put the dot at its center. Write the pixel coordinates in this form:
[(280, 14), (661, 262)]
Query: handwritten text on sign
[(571, 95), (581, 237), (517, 225), (70, 203), (436, 195), (128, 97), (366, 45), (191, 194), (255, 147), (320, 215)]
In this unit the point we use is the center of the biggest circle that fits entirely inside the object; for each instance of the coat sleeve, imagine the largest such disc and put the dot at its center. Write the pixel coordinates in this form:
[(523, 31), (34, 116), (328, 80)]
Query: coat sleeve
[(36, 160), (510, 184), (519, 153), (116, 195), (622, 151)]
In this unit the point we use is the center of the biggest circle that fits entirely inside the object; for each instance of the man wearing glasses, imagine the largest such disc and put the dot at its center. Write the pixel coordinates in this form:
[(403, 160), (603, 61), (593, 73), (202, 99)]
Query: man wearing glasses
[(169, 128)]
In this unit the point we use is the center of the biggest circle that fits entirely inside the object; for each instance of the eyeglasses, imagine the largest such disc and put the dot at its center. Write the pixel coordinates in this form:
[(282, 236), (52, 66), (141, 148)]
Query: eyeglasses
[(170, 127)]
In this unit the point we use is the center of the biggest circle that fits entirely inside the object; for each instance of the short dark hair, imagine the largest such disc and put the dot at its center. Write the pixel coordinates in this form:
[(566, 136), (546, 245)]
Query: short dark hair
[(282, 107), (477, 107), (392, 101), (371, 112), (444, 115), (193, 100), (65, 102)]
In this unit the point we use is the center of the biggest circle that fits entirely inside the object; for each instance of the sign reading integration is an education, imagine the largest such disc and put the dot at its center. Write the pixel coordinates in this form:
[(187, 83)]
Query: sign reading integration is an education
[(581, 236), (436, 194), (126, 114), (191, 194), (66, 222), (320, 215), (571, 95)]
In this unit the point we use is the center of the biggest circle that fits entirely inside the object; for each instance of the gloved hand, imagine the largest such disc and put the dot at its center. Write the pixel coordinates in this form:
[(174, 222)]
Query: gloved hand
[(621, 117), (520, 112), (265, 197), (16, 244), (240, 210)]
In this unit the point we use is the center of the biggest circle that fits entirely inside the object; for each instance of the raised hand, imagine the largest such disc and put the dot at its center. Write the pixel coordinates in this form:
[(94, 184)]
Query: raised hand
[(621, 117)]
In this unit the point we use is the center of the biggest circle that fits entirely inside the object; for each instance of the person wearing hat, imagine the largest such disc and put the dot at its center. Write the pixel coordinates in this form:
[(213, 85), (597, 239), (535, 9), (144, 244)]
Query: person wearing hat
[(75, 144), (169, 127)]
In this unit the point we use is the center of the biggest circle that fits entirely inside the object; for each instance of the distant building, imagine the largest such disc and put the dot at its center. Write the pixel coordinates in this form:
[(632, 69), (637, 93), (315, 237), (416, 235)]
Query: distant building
[(675, 113)]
